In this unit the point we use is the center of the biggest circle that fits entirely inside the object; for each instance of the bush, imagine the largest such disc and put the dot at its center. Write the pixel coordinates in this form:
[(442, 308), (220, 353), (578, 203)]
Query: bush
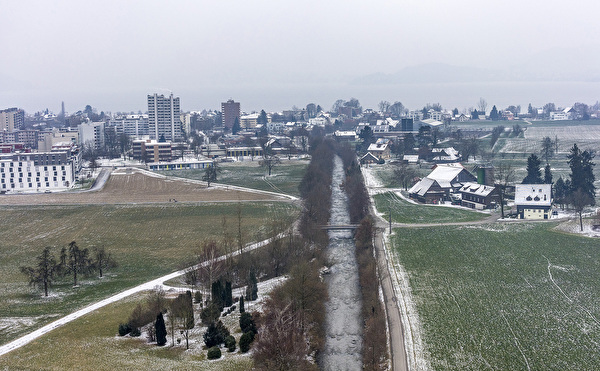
[(135, 332), (247, 323), (197, 297), (215, 334), (214, 353), (210, 313), (230, 343), (245, 341), (124, 329)]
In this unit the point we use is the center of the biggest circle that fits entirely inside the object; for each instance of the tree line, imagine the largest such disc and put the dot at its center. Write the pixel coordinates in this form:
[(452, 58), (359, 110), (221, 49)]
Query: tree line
[(73, 261)]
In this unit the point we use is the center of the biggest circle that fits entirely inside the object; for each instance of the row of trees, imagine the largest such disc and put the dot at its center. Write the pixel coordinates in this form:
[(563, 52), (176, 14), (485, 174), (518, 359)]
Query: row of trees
[(73, 261), (374, 325)]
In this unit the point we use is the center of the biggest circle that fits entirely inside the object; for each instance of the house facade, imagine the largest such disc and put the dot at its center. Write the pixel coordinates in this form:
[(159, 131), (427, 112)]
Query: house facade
[(444, 180), (478, 196), (533, 201)]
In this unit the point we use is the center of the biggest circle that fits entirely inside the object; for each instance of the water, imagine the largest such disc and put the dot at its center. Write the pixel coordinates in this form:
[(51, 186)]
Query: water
[(343, 344)]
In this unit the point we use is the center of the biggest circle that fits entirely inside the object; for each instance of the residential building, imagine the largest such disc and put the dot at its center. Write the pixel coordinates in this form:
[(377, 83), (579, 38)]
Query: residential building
[(444, 155), (91, 134), (533, 201), (164, 118), (478, 196), (47, 140), (29, 138), (249, 121), (11, 119), (38, 172), (230, 111), (441, 182), (148, 150), (135, 126), (380, 149)]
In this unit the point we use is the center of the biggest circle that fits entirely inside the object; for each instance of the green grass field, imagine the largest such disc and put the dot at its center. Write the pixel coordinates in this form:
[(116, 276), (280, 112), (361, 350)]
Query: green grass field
[(406, 212), (284, 178), (147, 242), (91, 343), (504, 296)]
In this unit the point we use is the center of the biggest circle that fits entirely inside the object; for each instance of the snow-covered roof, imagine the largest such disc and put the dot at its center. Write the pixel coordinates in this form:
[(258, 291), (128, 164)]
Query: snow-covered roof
[(447, 173), (377, 147), (411, 158), (533, 194), (476, 189), (432, 122), (422, 186)]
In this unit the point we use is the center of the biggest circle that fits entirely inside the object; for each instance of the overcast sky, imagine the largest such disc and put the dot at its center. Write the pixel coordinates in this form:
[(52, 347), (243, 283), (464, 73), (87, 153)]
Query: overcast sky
[(110, 54)]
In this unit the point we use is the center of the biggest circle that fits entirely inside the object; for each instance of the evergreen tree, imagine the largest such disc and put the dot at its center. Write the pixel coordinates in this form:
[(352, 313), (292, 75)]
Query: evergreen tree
[(236, 126), (228, 294), (534, 174), (547, 175), (494, 115), (217, 293), (252, 287), (161, 330), (582, 172), (242, 309), (560, 192)]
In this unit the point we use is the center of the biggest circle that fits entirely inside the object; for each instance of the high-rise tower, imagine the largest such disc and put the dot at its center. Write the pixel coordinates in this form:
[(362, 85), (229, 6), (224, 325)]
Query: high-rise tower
[(163, 118), (230, 110)]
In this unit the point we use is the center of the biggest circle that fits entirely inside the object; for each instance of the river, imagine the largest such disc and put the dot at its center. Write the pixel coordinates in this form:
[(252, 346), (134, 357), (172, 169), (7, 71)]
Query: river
[(343, 345)]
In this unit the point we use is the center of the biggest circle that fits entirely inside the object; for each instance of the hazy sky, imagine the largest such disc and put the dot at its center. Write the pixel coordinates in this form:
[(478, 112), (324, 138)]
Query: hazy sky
[(266, 54)]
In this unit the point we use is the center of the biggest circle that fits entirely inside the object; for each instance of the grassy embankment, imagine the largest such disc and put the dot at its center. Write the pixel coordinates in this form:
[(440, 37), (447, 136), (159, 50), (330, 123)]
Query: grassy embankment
[(406, 212), (147, 242), (284, 178), (504, 296), (91, 343)]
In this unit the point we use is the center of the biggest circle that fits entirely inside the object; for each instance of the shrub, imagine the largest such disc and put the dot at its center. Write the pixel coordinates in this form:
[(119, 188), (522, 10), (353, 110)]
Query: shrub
[(230, 343), (242, 309), (247, 323), (210, 313), (215, 334), (135, 332), (197, 297), (245, 341), (124, 329), (214, 353)]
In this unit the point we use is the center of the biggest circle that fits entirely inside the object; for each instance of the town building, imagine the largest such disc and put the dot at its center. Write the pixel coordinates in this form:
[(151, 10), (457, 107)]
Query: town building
[(444, 180), (533, 201), (380, 149), (478, 196), (47, 140), (135, 126), (11, 119), (38, 172), (164, 118), (230, 111), (91, 134), (29, 138), (149, 151)]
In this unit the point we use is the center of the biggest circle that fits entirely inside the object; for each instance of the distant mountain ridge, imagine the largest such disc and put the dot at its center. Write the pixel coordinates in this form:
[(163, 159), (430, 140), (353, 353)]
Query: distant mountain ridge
[(559, 64)]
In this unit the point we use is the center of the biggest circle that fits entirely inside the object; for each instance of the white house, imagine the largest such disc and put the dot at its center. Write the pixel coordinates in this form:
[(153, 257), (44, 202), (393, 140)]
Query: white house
[(533, 201)]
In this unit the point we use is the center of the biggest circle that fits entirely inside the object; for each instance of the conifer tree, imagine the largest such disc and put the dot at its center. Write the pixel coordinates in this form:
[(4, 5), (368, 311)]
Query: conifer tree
[(161, 330)]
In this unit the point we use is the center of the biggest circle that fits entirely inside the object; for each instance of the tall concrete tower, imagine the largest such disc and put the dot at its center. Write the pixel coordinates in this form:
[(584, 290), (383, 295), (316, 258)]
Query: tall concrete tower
[(230, 110), (163, 118)]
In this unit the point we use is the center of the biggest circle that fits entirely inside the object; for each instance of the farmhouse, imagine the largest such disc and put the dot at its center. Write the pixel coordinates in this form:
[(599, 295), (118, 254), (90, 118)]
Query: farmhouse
[(444, 155), (533, 201), (478, 196), (380, 149), (443, 180)]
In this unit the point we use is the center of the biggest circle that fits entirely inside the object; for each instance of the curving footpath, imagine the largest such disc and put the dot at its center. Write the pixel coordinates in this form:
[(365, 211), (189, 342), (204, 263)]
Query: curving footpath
[(26, 339), (102, 178)]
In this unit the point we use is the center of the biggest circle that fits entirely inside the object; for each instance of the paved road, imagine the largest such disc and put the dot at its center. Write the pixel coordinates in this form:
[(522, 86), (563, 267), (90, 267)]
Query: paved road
[(394, 320)]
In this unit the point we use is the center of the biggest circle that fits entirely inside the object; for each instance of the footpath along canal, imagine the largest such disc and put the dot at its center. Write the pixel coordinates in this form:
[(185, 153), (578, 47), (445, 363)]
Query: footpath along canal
[(343, 345)]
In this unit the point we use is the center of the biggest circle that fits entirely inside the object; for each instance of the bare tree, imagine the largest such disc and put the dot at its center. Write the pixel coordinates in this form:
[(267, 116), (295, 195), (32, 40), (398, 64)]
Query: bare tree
[(75, 260), (504, 175), (482, 105), (384, 106), (44, 272), (269, 162), (211, 266), (103, 260), (580, 199)]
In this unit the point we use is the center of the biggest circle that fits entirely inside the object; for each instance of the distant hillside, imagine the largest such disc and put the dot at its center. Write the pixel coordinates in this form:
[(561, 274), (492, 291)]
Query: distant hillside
[(559, 64)]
